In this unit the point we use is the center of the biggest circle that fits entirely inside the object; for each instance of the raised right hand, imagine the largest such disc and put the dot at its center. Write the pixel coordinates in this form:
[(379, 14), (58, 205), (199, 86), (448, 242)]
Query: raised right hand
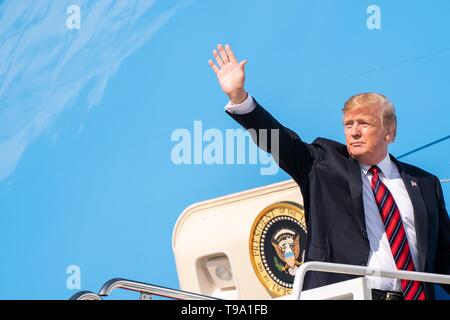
[(230, 73)]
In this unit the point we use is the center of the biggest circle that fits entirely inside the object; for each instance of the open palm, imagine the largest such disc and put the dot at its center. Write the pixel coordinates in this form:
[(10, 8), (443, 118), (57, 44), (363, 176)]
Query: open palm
[(230, 73)]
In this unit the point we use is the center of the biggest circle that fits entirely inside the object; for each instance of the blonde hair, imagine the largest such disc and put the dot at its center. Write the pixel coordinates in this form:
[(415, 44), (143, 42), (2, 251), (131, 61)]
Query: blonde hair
[(373, 99)]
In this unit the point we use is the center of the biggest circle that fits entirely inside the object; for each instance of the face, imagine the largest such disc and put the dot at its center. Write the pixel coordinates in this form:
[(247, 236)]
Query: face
[(366, 138)]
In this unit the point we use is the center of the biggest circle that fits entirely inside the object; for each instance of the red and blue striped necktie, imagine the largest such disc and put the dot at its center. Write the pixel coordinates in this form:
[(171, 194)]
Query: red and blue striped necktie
[(390, 215)]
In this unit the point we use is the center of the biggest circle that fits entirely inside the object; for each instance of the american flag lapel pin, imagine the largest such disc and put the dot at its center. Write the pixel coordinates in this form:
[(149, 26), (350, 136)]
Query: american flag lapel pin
[(413, 183)]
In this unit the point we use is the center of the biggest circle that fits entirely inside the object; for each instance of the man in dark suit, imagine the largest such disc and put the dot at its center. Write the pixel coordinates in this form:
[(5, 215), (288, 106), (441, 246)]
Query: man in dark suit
[(363, 207)]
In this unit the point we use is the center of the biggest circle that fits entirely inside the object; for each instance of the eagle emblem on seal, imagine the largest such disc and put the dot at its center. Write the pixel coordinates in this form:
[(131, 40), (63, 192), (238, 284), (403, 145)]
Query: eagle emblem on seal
[(287, 246)]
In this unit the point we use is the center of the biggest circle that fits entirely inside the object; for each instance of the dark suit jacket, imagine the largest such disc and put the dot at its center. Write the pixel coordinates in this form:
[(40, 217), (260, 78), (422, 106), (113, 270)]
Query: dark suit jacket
[(331, 185)]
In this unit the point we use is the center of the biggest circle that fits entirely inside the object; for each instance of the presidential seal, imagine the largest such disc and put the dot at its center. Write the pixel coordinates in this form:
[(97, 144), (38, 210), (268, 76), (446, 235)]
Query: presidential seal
[(277, 246)]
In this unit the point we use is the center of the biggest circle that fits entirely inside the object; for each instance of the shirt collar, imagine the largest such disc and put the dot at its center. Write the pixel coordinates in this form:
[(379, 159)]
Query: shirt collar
[(385, 166)]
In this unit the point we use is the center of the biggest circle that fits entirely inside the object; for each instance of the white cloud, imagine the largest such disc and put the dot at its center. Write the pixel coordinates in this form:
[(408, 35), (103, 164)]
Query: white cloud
[(45, 66)]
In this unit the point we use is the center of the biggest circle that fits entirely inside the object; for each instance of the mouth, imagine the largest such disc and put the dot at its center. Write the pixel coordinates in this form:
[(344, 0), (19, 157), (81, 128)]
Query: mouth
[(357, 144)]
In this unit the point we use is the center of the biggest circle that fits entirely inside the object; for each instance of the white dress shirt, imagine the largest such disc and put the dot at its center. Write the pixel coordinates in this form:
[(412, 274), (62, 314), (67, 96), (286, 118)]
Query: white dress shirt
[(380, 252), (380, 256)]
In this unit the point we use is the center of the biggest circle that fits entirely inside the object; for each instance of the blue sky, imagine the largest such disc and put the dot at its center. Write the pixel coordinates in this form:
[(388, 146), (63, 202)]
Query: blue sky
[(86, 116)]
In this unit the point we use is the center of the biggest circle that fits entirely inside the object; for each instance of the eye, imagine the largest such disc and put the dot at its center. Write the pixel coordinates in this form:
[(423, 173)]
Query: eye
[(364, 123)]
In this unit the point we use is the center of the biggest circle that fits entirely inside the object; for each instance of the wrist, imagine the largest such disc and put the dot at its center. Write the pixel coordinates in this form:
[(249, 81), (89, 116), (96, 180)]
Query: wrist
[(239, 97)]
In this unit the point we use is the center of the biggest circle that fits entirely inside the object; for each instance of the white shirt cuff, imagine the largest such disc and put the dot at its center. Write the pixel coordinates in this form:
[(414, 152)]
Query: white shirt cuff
[(245, 107)]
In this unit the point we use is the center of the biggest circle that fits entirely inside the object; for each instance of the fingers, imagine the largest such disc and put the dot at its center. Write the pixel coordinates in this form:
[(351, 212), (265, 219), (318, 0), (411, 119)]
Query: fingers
[(218, 58), (223, 54), (230, 54), (213, 66)]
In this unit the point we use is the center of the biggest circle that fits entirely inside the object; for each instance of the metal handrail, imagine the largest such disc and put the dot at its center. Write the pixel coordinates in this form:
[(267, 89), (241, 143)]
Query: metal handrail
[(85, 295), (146, 288), (361, 271)]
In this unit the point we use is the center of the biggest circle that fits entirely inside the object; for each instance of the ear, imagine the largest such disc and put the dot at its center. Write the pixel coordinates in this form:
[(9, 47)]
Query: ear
[(390, 135)]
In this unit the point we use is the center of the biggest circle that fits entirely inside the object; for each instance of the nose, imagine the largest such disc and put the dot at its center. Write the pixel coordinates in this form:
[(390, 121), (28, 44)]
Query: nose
[(355, 131)]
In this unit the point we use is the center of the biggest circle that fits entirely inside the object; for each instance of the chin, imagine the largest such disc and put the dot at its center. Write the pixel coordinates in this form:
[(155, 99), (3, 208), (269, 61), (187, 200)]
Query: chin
[(357, 154)]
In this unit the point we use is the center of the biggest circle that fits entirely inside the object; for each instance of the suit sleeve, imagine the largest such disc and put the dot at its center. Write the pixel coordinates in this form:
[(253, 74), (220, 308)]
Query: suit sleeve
[(293, 155), (442, 262)]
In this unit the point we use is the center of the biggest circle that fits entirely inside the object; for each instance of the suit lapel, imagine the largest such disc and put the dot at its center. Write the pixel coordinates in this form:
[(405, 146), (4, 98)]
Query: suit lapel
[(420, 213), (355, 185)]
